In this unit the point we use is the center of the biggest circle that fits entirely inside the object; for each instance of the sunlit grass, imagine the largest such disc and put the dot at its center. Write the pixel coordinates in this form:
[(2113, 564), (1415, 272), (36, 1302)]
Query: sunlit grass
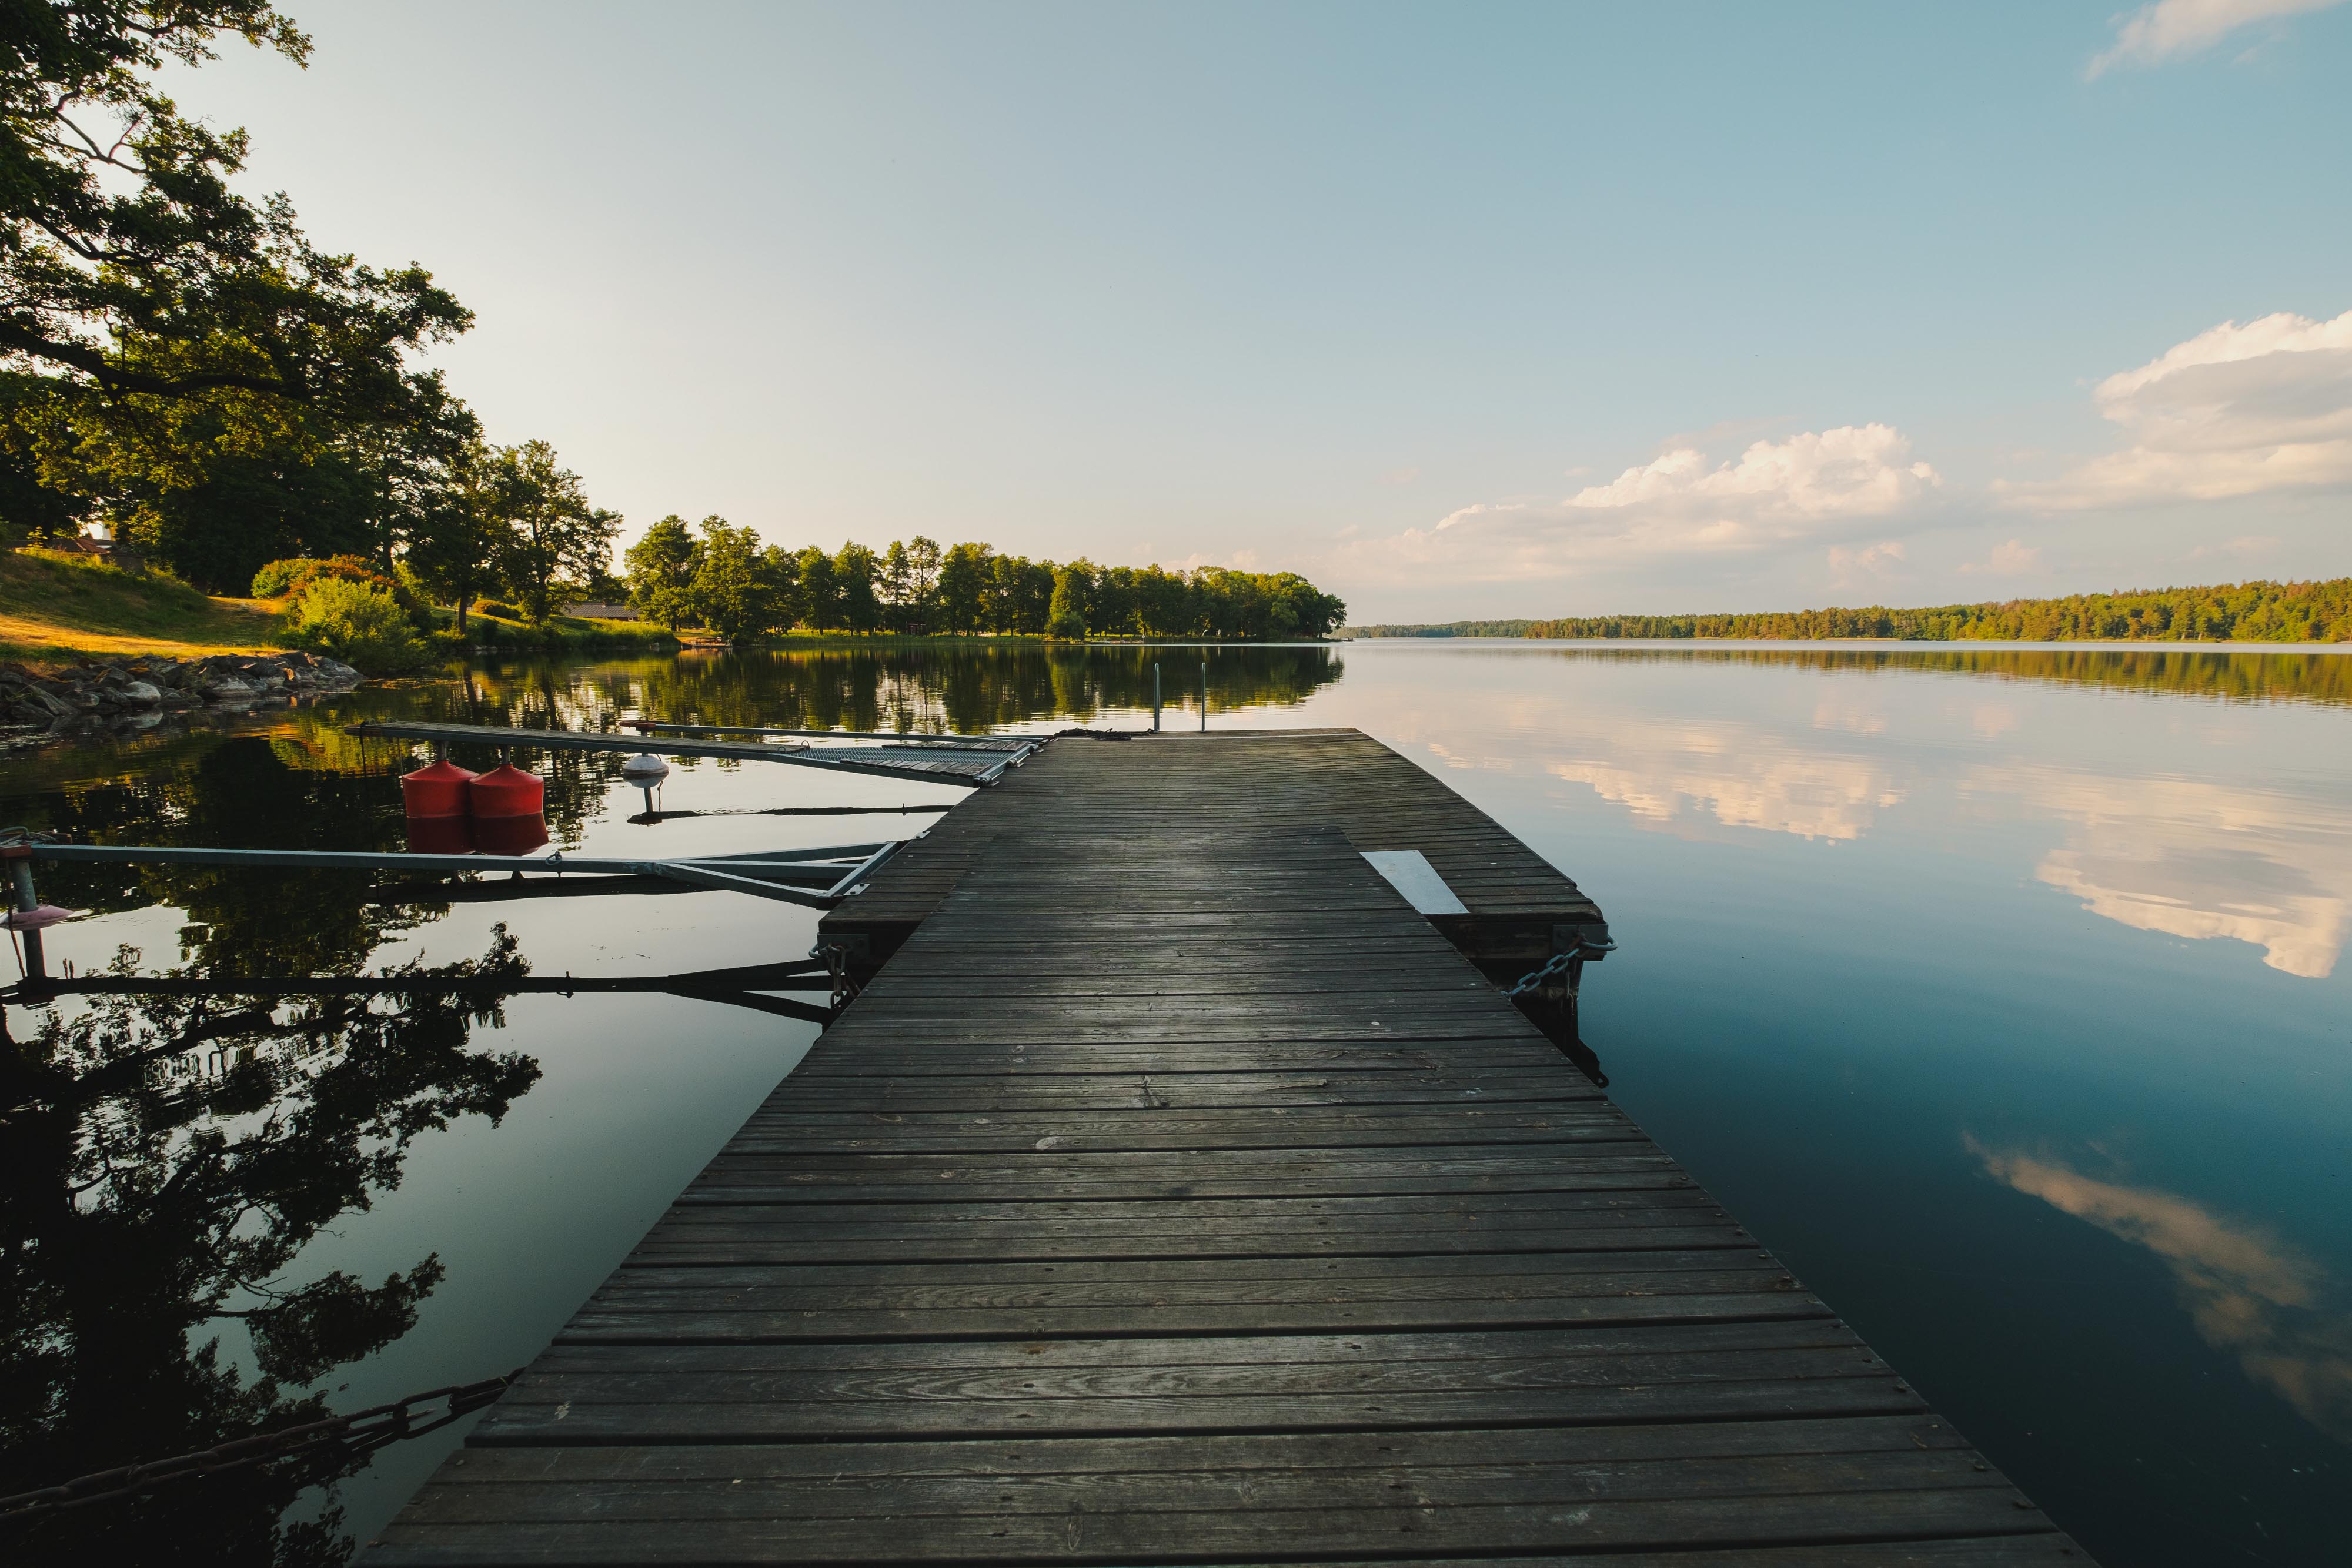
[(56, 607)]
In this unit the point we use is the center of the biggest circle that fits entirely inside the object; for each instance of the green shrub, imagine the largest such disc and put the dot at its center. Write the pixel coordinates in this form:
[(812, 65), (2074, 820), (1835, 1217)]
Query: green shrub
[(358, 622), (278, 576), (296, 573), (499, 608)]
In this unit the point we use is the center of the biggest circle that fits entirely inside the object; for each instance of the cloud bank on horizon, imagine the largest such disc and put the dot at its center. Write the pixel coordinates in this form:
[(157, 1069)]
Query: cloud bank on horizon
[(2239, 411), (2235, 411), (1814, 486)]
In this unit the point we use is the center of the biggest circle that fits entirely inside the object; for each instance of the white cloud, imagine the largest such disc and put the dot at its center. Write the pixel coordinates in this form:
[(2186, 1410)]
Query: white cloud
[(2235, 411), (1775, 489), (2244, 544), (1816, 485), (2172, 28), (2011, 557), (1850, 568)]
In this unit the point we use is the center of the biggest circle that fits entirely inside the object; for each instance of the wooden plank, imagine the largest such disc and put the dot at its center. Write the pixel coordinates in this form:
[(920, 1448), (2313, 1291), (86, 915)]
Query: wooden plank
[(1177, 1193), (1239, 1535)]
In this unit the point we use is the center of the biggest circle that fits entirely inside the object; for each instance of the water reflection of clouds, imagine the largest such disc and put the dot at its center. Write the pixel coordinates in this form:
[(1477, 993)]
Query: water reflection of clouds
[(2247, 1291), (2181, 857), (2198, 860), (1743, 776), (1858, 718)]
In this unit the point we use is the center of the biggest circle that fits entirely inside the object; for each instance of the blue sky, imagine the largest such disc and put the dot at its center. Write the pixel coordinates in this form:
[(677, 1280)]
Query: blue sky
[(1461, 310)]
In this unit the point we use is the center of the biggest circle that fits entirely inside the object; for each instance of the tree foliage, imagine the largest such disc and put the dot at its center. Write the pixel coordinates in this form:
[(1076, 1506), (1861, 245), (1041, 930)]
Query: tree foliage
[(454, 544), (188, 361), (725, 581), (511, 518), (741, 591), (2234, 612), (127, 259), (172, 1157), (661, 567), (546, 531)]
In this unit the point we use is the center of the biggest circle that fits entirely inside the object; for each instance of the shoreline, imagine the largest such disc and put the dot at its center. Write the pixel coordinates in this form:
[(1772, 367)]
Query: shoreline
[(1632, 644)]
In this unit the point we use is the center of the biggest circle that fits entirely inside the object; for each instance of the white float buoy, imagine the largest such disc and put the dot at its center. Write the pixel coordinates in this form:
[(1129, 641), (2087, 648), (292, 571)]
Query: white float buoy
[(645, 771)]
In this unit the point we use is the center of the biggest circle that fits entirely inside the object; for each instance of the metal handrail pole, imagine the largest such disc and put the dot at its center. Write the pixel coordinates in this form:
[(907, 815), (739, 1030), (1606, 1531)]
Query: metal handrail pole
[(847, 884), (335, 860), (825, 852), (703, 876), (21, 867), (901, 738)]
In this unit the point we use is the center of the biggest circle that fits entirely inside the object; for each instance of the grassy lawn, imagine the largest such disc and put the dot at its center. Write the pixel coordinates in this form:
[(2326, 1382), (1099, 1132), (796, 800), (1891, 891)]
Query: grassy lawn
[(556, 632), (55, 607)]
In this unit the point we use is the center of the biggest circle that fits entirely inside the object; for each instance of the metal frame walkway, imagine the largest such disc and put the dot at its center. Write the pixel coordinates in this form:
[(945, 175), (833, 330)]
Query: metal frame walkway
[(1177, 1194)]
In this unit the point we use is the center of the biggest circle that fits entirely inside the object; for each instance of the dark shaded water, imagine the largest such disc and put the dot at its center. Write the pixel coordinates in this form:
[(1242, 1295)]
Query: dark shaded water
[(2000, 990)]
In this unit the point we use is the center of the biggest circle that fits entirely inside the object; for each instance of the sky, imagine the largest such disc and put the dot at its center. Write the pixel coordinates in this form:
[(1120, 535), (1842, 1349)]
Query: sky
[(1462, 311)]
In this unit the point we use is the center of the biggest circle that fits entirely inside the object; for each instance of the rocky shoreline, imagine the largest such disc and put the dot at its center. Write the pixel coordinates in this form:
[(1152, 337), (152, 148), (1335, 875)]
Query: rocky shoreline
[(135, 693)]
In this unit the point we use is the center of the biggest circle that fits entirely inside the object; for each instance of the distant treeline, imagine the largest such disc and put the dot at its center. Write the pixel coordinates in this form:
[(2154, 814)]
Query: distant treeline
[(724, 580), (2231, 612), (2230, 676), (1446, 629)]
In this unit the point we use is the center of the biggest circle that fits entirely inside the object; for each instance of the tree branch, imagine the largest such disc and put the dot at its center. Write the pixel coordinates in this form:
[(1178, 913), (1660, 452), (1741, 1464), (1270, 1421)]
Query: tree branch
[(93, 362)]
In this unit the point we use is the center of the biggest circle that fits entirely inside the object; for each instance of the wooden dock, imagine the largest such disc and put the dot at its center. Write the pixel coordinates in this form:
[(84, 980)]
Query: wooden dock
[(1178, 1194), (1520, 908)]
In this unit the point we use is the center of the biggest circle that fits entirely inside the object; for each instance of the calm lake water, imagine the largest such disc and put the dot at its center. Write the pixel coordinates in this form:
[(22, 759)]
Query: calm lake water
[(2002, 991)]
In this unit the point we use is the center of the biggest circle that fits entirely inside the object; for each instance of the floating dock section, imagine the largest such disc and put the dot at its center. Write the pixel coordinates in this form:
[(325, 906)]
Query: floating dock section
[(1177, 1192)]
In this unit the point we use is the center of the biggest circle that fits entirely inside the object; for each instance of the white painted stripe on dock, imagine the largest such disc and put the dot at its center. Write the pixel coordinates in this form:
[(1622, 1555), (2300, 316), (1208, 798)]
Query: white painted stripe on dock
[(1410, 873)]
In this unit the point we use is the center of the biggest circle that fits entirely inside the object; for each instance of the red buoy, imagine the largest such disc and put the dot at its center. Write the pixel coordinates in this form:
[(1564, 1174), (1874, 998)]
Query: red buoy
[(436, 791), (517, 835), (440, 835), (507, 792)]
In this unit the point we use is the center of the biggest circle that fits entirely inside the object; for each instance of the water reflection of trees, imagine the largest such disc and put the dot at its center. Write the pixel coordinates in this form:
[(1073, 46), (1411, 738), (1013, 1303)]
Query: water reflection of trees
[(930, 687), (166, 1159), (2310, 677), (279, 791), (331, 789)]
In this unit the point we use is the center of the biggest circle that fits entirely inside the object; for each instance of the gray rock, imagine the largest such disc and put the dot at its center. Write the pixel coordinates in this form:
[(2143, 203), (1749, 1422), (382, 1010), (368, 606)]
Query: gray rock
[(139, 694), (226, 686)]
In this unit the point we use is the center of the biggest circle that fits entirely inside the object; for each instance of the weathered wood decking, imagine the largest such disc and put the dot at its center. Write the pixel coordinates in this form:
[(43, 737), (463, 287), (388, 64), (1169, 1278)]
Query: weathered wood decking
[(1178, 1194), (1239, 783)]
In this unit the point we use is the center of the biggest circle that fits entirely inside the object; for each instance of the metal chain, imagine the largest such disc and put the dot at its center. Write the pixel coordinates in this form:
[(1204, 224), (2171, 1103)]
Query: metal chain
[(837, 961), (1534, 979), (361, 1432)]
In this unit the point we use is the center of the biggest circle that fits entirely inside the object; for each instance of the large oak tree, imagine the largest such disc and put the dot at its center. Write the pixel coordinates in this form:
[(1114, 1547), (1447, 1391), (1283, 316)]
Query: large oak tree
[(165, 335)]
